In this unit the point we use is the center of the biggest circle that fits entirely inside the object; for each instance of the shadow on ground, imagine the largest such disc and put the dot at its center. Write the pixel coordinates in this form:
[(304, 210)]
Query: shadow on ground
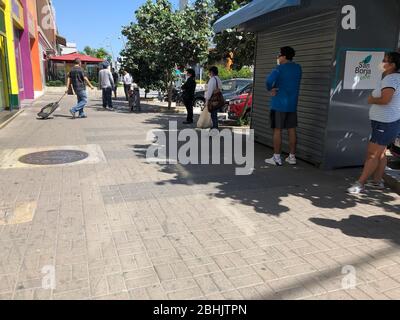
[(266, 187)]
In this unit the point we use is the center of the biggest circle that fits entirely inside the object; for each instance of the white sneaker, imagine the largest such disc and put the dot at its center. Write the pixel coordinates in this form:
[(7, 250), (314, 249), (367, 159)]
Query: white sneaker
[(291, 160), (357, 188), (377, 185), (274, 161)]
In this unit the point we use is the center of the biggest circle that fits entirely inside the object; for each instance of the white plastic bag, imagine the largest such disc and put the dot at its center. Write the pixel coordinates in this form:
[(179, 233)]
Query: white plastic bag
[(205, 121)]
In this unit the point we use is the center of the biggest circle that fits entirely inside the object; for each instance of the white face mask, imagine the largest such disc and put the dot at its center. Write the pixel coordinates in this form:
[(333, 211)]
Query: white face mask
[(382, 67), (278, 62)]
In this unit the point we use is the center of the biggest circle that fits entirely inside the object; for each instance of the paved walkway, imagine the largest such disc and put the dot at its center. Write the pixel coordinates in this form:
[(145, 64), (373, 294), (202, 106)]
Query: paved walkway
[(121, 228)]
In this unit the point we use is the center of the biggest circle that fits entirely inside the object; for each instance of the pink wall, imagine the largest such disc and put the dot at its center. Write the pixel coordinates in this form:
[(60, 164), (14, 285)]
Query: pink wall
[(26, 62)]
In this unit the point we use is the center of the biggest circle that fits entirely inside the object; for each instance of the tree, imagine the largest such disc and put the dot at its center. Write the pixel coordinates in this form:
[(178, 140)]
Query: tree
[(163, 39), (100, 53), (241, 44)]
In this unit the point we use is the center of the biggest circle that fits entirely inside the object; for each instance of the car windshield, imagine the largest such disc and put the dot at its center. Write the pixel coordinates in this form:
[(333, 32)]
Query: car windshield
[(246, 89), (235, 85), (242, 84), (229, 85)]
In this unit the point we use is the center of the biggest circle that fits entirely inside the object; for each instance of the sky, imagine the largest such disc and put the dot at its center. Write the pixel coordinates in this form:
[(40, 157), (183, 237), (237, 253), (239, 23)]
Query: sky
[(93, 23)]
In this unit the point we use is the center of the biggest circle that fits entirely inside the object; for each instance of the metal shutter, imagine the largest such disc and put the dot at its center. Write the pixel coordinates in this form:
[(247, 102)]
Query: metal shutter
[(314, 40)]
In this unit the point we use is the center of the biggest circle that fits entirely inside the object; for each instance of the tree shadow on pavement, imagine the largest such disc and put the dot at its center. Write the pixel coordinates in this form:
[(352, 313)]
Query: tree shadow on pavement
[(268, 187), (375, 227)]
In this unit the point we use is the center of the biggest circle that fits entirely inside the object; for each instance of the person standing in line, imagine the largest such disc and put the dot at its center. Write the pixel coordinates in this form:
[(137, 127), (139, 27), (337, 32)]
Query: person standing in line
[(385, 121), (136, 92), (214, 84), (284, 85), (116, 80), (106, 84), (189, 89), (127, 80), (78, 79)]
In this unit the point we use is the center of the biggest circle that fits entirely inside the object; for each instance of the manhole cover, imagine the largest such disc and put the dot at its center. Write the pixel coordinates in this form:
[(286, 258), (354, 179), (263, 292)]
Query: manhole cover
[(53, 157)]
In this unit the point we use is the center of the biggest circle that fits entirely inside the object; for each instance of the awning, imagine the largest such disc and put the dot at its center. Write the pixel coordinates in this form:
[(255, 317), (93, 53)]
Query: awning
[(71, 58), (253, 10)]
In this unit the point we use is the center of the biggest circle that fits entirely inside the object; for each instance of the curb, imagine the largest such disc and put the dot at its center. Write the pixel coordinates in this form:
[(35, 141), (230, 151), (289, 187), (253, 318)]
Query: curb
[(393, 181), (5, 123)]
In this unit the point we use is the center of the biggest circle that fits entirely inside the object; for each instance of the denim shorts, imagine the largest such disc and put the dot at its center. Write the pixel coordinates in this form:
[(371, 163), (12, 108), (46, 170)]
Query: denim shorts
[(384, 134)]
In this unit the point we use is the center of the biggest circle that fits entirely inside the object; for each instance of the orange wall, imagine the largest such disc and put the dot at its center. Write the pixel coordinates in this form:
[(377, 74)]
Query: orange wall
[(37, 78)]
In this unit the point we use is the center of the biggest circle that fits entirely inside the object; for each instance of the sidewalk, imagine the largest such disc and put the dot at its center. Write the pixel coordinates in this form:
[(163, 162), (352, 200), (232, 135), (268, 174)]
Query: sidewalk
[(117, 227)]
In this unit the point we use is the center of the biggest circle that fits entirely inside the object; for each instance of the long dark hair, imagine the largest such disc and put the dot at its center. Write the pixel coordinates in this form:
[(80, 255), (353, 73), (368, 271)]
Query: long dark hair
[(394, 57)]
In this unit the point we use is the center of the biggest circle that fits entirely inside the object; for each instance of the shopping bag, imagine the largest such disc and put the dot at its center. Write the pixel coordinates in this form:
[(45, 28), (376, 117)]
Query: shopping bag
[(205, 121)]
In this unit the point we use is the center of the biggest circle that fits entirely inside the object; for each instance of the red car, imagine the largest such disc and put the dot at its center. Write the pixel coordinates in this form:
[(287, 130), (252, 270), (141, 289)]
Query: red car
[(240, 106)]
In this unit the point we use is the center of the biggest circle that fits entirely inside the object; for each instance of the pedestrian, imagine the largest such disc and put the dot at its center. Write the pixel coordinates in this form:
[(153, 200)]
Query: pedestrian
[(189, 89), (136, 97), (106, 84), (385, 120), (78, 79), (116, 80), (284, 86), (214, 84), (127, 80)]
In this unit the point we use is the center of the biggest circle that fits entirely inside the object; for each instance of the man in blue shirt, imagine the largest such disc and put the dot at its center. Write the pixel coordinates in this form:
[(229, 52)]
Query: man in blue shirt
[(284, 85)]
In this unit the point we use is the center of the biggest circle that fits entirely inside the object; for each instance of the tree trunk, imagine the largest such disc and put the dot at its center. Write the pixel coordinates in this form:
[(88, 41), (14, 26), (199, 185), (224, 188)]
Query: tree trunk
[(170, 88)]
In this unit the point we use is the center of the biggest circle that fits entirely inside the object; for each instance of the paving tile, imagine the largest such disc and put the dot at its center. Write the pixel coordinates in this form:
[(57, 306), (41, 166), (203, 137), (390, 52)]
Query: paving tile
[(127, 229)]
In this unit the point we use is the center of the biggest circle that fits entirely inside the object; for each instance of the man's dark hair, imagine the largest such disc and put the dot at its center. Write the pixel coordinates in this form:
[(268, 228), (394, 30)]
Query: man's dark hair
[(214, 70), (191, 72), (288, 52), (77, 61), (394, 57)]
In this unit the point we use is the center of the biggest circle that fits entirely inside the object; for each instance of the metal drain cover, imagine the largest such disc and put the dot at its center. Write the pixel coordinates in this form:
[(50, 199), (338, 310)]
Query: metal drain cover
[(54, 157)]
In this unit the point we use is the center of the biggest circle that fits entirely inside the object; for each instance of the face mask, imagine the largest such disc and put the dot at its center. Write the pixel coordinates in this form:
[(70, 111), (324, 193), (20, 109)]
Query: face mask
[(382, 66), (278, 62)]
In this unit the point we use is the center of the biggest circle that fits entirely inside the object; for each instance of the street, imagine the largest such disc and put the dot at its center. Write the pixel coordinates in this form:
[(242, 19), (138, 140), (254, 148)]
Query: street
[(118, 227)]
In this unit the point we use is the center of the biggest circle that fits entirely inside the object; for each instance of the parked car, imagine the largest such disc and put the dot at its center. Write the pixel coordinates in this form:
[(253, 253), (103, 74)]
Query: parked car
[(229, 89), (240, 105), (395, 148)]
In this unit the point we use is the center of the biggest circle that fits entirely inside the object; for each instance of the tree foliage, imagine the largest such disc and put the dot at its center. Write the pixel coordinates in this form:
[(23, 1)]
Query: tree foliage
[(162, 39), (100, 53), (241, 44)]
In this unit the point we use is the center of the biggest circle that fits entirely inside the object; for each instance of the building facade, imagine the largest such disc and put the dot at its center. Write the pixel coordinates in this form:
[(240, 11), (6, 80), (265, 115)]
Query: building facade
[(11, 68), (4, 65), (34, 46), (28, 38), (47, 34)]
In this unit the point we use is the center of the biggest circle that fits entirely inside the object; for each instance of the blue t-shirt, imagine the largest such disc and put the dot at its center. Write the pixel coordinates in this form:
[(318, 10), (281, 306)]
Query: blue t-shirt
[(287, 79)]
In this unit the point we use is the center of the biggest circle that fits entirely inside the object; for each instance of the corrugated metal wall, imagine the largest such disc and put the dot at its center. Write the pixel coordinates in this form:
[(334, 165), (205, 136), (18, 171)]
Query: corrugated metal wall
[(314, 40)]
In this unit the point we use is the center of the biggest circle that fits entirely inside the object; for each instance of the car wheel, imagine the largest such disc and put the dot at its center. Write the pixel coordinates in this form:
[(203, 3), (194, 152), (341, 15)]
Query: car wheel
[(200, 103)]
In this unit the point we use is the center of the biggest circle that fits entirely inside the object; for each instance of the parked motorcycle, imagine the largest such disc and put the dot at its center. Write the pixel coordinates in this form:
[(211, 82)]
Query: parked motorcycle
[(176, 96)]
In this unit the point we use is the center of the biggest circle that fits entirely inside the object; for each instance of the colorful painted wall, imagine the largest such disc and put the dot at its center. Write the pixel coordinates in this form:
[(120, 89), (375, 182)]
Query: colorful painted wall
[(34, 41), (20, 55), (13, 89), (21, 27), (4, 78)]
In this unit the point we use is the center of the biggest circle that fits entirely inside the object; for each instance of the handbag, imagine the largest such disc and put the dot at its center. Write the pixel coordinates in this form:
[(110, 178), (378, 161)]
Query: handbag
[(217, 100)]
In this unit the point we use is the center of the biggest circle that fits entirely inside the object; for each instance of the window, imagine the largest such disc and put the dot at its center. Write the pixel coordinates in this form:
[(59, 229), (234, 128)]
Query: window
[(228, 85)]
